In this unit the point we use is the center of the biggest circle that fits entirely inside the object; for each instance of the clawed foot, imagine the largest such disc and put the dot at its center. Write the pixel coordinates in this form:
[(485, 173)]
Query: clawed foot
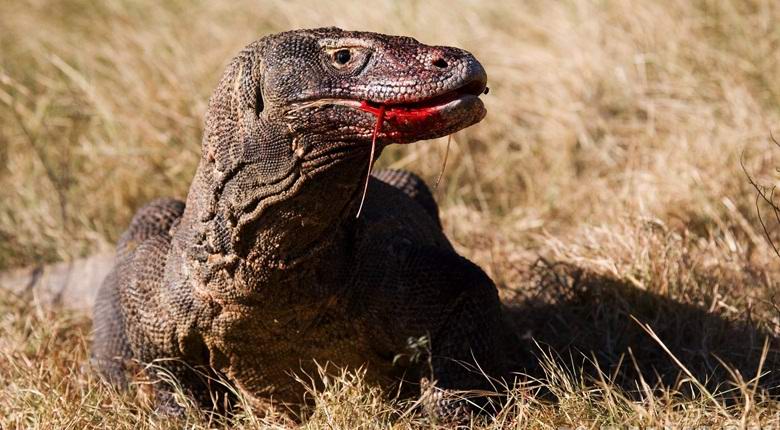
[(458, 409)]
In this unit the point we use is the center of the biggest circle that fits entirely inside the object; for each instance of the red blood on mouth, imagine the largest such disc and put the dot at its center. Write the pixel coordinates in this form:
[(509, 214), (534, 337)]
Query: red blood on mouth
[(368, 108), (419, 112), (400, 114), (380, 117)]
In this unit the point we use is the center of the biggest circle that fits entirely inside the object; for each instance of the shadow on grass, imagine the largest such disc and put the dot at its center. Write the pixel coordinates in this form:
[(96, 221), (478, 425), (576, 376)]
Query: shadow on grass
[(580, 318)]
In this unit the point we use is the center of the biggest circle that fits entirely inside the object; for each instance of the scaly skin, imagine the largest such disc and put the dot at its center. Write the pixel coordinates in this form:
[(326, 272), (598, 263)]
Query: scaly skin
[(266, 269)]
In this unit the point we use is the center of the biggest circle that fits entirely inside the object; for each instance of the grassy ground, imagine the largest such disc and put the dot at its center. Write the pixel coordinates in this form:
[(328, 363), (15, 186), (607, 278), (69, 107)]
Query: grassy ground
[(604, 193)]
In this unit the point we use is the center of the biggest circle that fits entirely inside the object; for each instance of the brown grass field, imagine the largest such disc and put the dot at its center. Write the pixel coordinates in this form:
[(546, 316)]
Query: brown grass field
[(604, 193)]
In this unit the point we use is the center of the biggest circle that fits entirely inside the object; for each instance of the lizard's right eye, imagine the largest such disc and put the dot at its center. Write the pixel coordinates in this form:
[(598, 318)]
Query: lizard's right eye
[(342, 56), (347, 60)]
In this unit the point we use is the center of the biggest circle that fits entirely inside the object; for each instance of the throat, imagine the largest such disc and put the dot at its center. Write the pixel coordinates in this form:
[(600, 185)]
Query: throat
[(292, 258), (308, 222)]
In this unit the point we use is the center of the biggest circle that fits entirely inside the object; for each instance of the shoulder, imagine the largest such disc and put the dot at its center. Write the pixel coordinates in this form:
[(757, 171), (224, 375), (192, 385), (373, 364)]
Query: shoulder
[(391, 215)]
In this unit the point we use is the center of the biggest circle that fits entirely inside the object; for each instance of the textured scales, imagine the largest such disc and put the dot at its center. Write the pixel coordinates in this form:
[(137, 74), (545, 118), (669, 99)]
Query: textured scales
[(266, 269)]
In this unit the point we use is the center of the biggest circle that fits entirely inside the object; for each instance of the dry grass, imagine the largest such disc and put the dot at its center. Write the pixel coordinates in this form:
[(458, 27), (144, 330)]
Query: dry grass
[(612, 149)]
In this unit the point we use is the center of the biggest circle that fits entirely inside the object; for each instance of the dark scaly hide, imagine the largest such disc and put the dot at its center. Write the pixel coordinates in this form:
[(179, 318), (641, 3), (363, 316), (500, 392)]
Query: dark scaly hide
[(266, 269)]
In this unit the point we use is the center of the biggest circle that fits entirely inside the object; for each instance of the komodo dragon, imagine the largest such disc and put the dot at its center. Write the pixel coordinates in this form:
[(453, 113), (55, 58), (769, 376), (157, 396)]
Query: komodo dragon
[(266, 270)]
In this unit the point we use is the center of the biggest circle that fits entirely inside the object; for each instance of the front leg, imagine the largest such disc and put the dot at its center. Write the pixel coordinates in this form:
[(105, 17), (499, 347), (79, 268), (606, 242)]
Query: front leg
[(435, 293), (145, 317), (468, 361), (160, 327)]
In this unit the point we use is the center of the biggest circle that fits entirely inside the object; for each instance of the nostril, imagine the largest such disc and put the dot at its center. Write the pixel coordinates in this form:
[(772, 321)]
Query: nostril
[(440, 63)]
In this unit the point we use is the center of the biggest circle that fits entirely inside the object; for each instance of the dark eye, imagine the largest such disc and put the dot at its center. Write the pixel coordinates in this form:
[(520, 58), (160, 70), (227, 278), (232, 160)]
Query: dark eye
[(342, 56)]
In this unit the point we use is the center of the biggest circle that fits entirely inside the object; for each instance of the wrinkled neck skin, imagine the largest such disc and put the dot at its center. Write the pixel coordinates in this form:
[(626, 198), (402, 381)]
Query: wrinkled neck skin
[(287, 236), (273, 198)]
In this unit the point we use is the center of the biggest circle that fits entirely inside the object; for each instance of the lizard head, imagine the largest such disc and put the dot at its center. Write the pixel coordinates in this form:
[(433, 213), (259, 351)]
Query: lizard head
[(307, 103), (319, 91), (345, 79)]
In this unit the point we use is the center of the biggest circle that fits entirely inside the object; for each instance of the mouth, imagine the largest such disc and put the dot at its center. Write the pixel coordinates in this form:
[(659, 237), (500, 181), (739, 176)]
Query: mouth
[(421, 119), (423, 109)]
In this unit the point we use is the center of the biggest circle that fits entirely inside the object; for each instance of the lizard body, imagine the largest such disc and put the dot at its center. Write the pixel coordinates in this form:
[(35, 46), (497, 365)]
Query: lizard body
[(265, 269)]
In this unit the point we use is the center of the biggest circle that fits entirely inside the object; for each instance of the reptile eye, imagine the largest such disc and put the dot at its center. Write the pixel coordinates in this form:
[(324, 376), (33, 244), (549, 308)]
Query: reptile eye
[(342, 56), (345, 59)]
